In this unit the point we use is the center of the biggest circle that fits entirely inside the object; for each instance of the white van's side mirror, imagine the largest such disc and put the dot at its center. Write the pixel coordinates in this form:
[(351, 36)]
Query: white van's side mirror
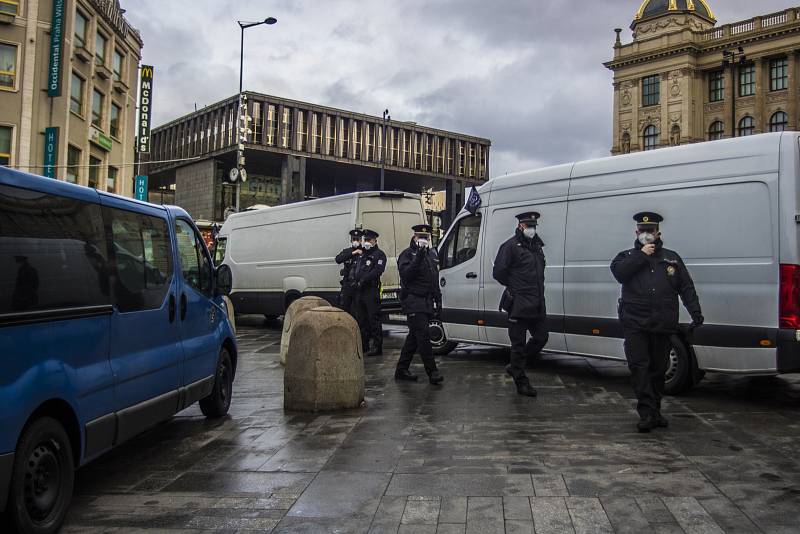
[(224, 281)]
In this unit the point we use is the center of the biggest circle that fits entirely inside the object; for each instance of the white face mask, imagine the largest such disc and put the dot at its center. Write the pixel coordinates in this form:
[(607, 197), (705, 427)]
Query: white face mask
[(646, 238), (529, 232), (356, 244), (422, 243), (367, 245)]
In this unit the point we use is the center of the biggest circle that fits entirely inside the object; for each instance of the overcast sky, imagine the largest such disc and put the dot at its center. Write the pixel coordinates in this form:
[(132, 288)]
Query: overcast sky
[(526, 74)]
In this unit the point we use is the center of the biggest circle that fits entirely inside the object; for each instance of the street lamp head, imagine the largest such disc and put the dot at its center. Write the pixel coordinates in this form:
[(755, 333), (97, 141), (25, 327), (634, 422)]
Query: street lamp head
[(270, 20)]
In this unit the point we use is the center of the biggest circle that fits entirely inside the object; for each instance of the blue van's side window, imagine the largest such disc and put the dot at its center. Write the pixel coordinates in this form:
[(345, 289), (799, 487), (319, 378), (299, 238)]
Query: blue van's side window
[(53, 252), (195, 265), (141, 259)]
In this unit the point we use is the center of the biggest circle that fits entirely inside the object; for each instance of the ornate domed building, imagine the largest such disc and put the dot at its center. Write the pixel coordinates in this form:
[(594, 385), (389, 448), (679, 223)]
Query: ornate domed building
[(673, 81)]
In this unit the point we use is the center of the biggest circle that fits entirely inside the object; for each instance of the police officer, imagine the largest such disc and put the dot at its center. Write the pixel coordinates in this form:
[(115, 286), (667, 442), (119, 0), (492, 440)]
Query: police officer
[(346, 258), (421, 299), (365, 275), (519, 266), (652, 277)]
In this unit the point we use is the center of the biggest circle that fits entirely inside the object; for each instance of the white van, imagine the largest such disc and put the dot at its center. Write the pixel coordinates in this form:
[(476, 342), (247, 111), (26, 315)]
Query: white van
[(731, 211), (280, 254)]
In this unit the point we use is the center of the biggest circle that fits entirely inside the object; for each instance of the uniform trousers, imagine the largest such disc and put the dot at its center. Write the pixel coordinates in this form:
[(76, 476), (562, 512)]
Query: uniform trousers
[(417, 340), (368, 314), (648, 358), (520, 350)]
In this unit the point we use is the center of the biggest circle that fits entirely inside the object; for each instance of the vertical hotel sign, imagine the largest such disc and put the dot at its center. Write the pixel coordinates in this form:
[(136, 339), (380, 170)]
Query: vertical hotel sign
[(145, 109), (56, 49), (50, 151)]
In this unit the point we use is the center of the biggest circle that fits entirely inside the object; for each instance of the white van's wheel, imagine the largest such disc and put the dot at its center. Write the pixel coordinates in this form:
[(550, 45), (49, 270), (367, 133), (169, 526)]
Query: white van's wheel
[(678, 378), (441, 346)]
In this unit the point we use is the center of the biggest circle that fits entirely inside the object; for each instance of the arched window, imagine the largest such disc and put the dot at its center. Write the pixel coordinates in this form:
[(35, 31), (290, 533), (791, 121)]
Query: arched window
[(716, 131), (747, 126), (779, 122), (651, 134)]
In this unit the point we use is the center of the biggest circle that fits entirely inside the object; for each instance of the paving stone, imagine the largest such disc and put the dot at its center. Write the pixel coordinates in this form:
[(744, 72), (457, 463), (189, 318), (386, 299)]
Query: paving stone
[(588, 516), (654, 510), (516, 526), (453, 510), (625, 515), (550, 515), (419, 511), (461, 485), (451, 528), (334, 494), (417, 529), (517, 508), (219, 483), (691, 516), (550, 486), (727, 515)]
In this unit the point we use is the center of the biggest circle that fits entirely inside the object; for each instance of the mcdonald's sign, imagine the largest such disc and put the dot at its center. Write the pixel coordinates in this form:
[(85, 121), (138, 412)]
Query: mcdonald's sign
[(145, 109)]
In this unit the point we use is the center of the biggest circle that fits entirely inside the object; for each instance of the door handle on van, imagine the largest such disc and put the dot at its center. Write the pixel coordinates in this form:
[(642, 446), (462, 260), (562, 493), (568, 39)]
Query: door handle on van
[(472, 275), (183, 306), (172, 308)]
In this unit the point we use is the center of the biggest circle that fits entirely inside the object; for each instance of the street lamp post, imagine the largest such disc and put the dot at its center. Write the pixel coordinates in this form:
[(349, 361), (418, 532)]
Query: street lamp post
[(243, 117), (386, 117), (729, 58)]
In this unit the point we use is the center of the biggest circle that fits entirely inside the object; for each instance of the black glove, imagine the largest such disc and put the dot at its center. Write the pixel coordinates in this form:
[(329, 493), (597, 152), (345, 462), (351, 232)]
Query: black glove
[(697, 322)]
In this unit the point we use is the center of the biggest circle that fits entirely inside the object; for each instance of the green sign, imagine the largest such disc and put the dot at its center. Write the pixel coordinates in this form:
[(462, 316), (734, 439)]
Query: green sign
[(56, 49), (50, 151), (140, 188), (100, 139)]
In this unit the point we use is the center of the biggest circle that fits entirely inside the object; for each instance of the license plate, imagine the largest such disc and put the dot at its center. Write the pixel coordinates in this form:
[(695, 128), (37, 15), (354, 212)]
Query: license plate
[(390, 295)]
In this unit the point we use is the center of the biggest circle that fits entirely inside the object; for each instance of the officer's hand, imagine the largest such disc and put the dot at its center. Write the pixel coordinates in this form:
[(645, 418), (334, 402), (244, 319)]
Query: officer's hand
[(697, 322), (358, 252), (649, 249)]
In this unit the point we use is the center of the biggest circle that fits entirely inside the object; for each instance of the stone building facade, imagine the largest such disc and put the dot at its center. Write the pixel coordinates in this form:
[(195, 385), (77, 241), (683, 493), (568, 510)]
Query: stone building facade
[(672, 83), (91, 120)]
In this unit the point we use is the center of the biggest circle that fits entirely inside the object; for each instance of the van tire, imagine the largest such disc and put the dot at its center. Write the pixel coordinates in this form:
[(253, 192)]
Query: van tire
[(42, 479), (439, 343), (217, 404), (680, 369)]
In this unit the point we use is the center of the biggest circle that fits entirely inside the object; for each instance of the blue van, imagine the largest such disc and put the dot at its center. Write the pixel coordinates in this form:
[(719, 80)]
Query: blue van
[(111, 320)]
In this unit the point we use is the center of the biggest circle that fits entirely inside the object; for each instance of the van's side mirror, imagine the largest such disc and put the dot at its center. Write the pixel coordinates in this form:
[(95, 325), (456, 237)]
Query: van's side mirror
[(224, 281)]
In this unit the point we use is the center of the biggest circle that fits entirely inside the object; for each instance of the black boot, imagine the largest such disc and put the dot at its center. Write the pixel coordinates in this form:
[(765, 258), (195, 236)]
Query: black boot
[(405, 374), (647, 423), (435, 378), (376, 349), (522, 383)]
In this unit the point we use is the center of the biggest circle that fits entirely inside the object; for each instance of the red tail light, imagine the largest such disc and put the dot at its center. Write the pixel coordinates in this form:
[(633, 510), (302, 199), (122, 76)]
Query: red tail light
[(789, 301)]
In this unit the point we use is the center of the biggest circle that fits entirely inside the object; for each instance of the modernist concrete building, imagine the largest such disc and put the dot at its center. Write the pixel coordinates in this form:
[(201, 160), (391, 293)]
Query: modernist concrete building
[(684, 79), (92, 75), (298, 151)]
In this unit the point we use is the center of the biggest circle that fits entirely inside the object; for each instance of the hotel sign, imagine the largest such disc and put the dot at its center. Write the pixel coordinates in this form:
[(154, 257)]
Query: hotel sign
[(56, 49), (140, 188), (50, 151), (145, 110)]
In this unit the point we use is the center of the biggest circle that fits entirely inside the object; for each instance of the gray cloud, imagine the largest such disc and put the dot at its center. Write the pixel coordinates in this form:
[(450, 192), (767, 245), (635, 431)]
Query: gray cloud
[(526, 74)]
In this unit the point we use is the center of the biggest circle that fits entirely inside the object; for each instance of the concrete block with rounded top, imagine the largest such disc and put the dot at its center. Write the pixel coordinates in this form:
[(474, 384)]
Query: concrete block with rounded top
[(324, 363), (296, 308)]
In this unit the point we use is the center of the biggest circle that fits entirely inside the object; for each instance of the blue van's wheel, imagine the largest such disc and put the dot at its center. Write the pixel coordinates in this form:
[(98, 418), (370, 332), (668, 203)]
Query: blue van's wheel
[(44, 472), (217, 404)]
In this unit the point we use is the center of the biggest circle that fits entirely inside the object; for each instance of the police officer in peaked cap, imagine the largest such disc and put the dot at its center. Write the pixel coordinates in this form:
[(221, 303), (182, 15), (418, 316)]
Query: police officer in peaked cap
[(652, 277), (347, 258), (519, 266), (422, 300), (365, 276)]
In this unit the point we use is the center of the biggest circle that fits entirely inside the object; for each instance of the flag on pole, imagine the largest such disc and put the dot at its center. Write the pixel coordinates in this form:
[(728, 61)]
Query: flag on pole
[(474, 201)]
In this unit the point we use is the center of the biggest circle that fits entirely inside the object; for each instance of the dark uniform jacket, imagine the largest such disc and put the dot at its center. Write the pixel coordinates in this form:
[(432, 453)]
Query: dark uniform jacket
[(347, 259), (365, 274), (650, 289), (519, 266), (419, 280)]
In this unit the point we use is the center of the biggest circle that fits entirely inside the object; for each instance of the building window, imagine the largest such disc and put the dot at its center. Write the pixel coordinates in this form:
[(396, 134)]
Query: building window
[(651, 134), (747, 80), (778, 74), (286, 136), (440, 157), (651, 90), (81, 23), (272, 125), (484, 151), (462, 159), (117, 64), (344, 136), (10, 7), (779, 122), (451, 151), (6, 135), (716, 86), (76, 95), (716, 131), (8, 66), (330, 132), (316, 119), (97, 108), (417, 151), (357, 139), (100, 44), (73, 164), (302, 131), (114, 127), (258, 124), (406, 149), (111, 182), (747, 126), (369, 141), (94, 171)]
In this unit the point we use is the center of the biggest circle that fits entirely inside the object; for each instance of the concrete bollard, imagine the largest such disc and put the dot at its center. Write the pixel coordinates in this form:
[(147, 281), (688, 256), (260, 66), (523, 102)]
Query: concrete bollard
[(324, 364), (296, 308)]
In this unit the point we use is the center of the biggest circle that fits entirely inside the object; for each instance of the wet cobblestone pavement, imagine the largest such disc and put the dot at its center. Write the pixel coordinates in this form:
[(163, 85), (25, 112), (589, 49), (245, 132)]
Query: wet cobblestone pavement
[(468, 457)]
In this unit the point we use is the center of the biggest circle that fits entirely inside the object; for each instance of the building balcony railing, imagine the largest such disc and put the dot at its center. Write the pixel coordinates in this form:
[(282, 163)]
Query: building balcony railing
[(737, 29)]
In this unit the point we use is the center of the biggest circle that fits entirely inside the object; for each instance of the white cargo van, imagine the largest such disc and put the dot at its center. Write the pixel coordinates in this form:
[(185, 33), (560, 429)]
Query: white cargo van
[(282, 253), (731, 211)]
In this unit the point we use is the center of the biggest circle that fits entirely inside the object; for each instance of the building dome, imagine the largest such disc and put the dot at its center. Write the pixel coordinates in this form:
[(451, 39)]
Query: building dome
[(655, 8)]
